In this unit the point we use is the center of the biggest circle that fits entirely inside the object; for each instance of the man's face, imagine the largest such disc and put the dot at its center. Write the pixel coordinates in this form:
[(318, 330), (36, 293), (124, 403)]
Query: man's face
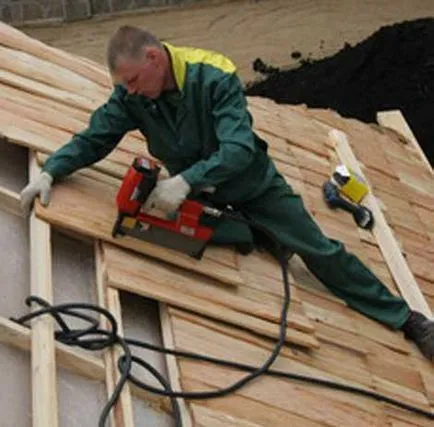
[(144, 75)]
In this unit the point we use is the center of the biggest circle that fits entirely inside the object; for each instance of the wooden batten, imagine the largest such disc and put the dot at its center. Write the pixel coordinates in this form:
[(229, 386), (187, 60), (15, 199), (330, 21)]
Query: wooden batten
[(15, 39), (42, 89), (204, 416), (10, 201), (44, 384), (394, 119), (154, 280), (88, 198), (122, 413), (172, 364), (389, 247)]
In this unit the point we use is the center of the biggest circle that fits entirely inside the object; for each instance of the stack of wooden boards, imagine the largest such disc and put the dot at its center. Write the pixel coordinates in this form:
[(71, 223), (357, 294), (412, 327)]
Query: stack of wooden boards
[(228, 305)]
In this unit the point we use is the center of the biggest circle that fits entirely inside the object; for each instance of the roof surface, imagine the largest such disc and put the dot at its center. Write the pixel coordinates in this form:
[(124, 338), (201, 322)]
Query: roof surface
[(47, 95)]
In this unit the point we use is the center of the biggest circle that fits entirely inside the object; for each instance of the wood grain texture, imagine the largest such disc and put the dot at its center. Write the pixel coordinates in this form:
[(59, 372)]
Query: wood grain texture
[(172, 364), (108, 298), (19, 41), (88, 207), (44, 383), (391, 252), (172, 286), (395, 120), (10, 201), (384, 370)]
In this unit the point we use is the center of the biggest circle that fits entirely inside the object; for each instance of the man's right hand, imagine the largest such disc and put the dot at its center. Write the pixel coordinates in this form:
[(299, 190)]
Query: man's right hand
[(39, 186)]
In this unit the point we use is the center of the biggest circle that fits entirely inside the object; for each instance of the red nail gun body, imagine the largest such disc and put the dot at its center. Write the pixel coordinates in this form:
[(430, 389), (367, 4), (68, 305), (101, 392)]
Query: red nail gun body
[(183, 233)]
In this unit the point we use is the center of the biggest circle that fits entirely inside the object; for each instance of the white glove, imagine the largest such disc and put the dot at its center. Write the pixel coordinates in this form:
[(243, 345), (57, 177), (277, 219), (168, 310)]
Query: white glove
[(168, 194), (39, 186)]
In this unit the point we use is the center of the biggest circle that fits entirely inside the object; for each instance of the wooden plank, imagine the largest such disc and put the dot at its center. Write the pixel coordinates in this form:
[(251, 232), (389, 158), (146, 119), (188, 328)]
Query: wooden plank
[(42, 89), (38, 136), (24, 98), (253, 410), (223, 341), (122, 413), (44, 385), (394, 367), (206, 417), (88, 207), (401, 213), (183, 289), (389, 247), (414, 175), (298, 130), (230, 343), (92, 173), (394, 119), (50, 113), (43, 71), (157, 276), (10, 202), (401, 393), (342, 409), (16, 39), (216, 311), (126, 418), (397, 417), (172, 365), (60, 116)]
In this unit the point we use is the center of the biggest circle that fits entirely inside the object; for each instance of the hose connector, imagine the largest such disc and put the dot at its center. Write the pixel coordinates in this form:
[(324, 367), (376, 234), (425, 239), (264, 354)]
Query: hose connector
[(216, 213)]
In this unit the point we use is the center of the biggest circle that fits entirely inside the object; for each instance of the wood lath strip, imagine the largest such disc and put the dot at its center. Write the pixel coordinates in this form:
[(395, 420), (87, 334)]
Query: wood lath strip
[(59, 116), (122, 413), (389, 247), (172, 364), (94, 212), (217, 339), (146, 277), (59, 95), (16, 39), (10, 201), (206, 417), (53, 75), (44, 384), (394, 119)]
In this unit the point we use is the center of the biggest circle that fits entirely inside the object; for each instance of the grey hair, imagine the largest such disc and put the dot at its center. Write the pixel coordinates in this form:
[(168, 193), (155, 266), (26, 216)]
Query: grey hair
[(128, 41)]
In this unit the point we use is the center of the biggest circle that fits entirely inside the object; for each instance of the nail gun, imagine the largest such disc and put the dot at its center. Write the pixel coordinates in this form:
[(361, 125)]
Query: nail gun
[(183, 233)]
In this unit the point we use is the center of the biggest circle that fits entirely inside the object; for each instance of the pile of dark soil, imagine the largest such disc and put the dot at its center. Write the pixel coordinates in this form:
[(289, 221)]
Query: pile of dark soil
[(392, 69)]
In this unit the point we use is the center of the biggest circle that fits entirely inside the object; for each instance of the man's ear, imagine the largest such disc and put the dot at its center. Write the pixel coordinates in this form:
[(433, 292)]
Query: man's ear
[(151, 52)]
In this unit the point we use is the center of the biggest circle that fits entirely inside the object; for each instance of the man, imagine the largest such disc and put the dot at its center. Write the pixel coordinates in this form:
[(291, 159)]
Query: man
[(189, 104)]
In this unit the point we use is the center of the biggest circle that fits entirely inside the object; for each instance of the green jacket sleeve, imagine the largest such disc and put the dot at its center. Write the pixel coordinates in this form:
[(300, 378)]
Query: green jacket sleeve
[(107, 125), (232, 125)]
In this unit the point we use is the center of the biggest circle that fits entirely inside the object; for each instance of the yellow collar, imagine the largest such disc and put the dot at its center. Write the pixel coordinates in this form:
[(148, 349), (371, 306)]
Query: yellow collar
[(179, 65)]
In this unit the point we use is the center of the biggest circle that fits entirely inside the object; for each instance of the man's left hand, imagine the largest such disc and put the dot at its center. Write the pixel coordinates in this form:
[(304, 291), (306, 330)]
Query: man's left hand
[(168, 194)]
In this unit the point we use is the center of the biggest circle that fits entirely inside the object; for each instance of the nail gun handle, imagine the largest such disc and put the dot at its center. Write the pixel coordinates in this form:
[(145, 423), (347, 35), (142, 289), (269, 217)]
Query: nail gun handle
[(136, 186), (148, 172)]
